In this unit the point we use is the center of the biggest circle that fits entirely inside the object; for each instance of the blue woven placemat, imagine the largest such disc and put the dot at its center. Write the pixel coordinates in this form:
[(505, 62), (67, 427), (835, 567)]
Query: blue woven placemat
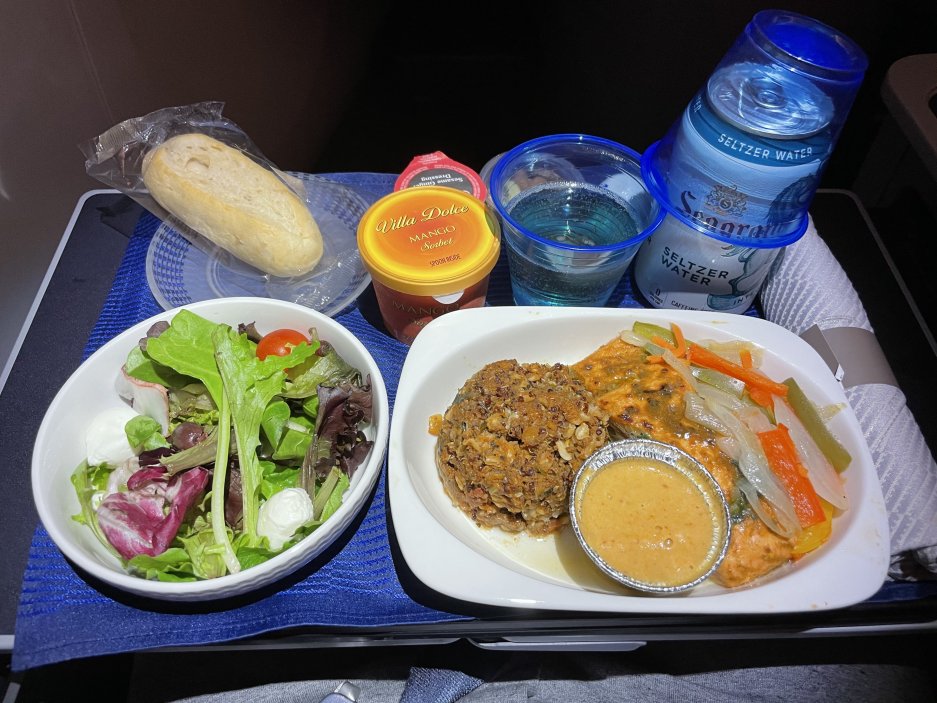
[(62, 617)]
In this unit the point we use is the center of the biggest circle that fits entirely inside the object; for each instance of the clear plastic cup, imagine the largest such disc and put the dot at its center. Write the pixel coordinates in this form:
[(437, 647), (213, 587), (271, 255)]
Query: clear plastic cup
[(574, 210), (745, 158)]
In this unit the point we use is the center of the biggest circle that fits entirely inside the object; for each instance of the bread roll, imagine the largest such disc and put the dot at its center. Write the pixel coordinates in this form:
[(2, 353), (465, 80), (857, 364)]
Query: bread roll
[(235, 202)]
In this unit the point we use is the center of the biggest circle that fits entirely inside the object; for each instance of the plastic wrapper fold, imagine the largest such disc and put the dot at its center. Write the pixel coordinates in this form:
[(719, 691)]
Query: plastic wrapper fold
[(116, 159)]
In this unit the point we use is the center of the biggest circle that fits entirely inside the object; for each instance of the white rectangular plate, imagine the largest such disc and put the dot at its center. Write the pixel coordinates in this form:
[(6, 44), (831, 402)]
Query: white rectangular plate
[(451, 555)]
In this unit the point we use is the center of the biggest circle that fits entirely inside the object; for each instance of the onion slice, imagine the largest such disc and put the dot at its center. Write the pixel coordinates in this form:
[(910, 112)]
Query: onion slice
[(826, 481), (631, 338), (755, 419), (751, 495), (682, 368), (718, 398), (754, 466), (698, 410), (729, 446)]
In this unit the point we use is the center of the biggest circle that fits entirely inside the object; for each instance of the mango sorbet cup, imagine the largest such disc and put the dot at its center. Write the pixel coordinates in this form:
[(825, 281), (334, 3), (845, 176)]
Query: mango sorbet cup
[(430, 251)]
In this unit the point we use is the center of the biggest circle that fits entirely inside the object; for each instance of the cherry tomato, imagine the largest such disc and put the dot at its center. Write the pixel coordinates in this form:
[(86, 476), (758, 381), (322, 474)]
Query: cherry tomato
[(279, 343)]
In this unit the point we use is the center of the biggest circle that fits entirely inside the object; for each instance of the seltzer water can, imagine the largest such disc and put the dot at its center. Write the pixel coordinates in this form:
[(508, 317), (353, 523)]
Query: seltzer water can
[(679, 267), (742, 166), (737, 178)]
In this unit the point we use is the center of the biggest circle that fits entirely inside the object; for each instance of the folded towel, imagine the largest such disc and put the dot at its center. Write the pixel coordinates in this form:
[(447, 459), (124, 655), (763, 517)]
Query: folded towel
[(807, 291)]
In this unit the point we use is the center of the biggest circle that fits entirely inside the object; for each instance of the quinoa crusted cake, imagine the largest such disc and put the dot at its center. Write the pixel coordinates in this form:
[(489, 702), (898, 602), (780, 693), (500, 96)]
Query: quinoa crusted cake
[(511, 442)]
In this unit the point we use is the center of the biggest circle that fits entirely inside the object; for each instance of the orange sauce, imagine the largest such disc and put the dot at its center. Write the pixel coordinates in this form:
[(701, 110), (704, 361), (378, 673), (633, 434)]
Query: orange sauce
[(649, 522)]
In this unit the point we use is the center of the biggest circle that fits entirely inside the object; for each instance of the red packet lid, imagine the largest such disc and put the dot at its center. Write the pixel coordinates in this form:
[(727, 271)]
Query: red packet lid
[(437, 169)]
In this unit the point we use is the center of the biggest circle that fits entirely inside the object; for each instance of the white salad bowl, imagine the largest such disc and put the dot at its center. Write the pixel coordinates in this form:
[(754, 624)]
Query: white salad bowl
[(60, 448)]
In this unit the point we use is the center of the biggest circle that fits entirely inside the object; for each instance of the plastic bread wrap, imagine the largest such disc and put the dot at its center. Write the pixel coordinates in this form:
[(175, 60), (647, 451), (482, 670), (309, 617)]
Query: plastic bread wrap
[(118, 157)]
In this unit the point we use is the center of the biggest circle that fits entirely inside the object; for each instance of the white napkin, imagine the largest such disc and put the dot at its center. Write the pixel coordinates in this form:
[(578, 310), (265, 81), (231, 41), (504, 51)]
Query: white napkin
[(808, 288)]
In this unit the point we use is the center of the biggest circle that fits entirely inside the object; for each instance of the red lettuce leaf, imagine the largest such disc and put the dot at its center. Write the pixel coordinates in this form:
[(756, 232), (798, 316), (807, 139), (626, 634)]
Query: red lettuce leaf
[(146, 518), (342, 408)]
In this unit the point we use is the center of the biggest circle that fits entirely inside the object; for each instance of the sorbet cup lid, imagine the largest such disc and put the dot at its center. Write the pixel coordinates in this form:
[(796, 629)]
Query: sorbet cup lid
[(682, 464), (429, 240)]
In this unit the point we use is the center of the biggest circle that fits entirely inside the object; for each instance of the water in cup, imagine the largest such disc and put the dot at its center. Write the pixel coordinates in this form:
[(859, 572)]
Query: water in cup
[(574, 214), (574, 211)]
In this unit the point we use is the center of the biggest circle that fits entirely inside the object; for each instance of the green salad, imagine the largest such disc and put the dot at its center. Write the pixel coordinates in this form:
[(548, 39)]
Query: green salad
[(232, 447)]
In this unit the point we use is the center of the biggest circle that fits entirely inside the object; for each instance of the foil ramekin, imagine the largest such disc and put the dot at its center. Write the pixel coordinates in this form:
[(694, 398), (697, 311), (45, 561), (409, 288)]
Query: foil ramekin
[(681, 463)]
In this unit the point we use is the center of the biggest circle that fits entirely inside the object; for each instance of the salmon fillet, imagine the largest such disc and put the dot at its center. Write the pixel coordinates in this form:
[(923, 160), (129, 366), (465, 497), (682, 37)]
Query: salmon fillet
[(645, 400)]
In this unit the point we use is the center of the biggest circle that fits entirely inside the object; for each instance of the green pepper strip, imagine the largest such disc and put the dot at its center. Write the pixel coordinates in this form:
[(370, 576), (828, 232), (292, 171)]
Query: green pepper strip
[(807, 413), (649, 330)]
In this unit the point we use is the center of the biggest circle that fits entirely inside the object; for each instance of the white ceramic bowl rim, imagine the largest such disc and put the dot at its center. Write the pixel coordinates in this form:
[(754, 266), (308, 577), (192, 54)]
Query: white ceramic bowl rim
[(50, 499)]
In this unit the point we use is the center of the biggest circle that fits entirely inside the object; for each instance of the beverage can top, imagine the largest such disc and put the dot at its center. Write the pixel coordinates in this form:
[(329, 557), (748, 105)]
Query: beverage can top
[(769, 101), (787, 76)]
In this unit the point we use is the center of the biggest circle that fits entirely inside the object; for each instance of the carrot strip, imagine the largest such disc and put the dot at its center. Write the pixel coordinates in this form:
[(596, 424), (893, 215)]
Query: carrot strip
[(678, 346), (661, 342), (701, 356), (784, 462), (761, 397), (654, 359), (679, 339)]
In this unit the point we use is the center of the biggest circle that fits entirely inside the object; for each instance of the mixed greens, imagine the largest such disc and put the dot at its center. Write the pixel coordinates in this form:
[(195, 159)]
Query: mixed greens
[(234, 447)]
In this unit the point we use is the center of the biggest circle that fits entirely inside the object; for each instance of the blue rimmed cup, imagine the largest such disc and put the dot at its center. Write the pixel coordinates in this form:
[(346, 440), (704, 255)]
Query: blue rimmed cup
[(574, 212)]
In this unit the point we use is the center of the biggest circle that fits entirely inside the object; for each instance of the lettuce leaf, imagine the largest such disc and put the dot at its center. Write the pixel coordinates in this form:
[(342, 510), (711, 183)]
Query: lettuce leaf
[(193, 403), (334, 501), (338, 442), (199, 543), (274, 421), (141, 366), (91, 482), (144, 433), (328, 369), (249, 384), (276, 478), (186, 346), (145, 518), (173, 565)]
